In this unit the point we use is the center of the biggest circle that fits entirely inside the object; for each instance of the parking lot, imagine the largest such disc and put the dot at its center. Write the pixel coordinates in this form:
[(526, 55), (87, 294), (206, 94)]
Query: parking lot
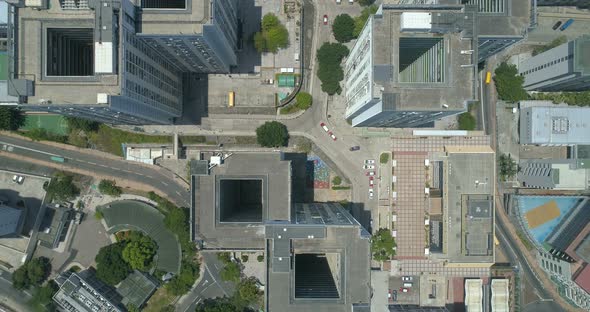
[(397, 285), (26, 196), (548, 16)]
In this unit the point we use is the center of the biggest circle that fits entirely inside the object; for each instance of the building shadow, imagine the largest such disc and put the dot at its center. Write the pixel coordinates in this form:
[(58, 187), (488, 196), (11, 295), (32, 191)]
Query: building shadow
[(195, 99), (249, 18), (300, 175)]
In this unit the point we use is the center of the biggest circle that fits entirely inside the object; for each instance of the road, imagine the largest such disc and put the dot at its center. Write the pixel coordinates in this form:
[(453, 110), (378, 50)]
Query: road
[(11, 297), (164, 181)]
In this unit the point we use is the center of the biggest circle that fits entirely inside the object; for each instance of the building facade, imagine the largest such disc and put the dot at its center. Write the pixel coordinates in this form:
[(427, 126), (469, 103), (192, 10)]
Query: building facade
[(563, 68), (116, 61)]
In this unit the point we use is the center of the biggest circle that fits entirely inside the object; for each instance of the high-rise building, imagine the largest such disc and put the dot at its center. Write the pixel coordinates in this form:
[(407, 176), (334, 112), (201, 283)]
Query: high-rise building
[(563, 68), (116, 61), (408, 69)]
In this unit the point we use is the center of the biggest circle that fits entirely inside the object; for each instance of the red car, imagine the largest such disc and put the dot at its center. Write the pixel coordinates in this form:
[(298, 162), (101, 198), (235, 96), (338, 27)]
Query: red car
[(332, 135), (325, 19)]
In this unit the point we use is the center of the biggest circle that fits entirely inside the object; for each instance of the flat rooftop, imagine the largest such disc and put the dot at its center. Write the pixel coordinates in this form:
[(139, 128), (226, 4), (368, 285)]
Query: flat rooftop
[(556, 124), (458, 85), (469, 180), (160, 19), (229, 214)]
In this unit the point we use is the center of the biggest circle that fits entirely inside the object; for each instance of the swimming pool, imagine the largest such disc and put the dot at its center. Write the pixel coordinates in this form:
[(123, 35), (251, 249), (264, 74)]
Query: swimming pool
[(527, 203)]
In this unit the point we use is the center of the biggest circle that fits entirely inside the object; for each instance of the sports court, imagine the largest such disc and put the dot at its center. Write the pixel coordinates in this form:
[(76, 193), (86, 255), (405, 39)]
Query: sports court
[(135, 215), (52, 123)]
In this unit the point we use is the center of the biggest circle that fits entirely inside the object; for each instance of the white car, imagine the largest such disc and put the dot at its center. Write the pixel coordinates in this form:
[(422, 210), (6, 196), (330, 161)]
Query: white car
[(369, 161), (20, 179), (323, 125), (15, 178), (407, 278), (371, 193), (369, 167), (371, 182)]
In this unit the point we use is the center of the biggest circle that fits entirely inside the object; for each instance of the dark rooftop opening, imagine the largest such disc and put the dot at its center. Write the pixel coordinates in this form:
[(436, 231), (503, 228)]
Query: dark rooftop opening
[(163, 4), (429, 68), (70, 52), (314, 278), (240, 200)]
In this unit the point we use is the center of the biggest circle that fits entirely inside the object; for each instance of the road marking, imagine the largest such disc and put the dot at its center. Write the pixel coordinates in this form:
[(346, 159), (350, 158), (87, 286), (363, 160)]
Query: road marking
[(91, 163), (164, 183), (29, 149), (177, 192)]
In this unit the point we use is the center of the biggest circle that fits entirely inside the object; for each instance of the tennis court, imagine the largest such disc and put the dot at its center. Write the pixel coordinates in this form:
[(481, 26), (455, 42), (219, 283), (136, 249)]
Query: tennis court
[(135, 215), (52, 123)]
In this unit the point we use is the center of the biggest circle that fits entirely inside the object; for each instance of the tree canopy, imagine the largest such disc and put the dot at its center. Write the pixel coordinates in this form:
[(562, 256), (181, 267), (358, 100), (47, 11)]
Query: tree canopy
[(343, 28), (109, 187), (31, 273), (382, 244), (42, 299), (62, 187), (273, 35), (304, 100), (11, 118), (86, 125), (509, 83), (182, 283), (330, 72), (359, 21), (231, 272), (507, 166), (111, 268), (139, 251), (366, 2), (272, 134)]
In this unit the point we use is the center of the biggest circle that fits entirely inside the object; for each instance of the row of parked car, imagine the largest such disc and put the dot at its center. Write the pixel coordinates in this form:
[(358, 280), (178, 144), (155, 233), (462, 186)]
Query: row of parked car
[(18, 179)]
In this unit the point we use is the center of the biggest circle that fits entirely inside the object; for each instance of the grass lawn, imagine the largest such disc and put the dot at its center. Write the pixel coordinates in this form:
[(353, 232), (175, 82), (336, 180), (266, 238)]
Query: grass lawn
[(159, 301), (109, 140), (289, 109)]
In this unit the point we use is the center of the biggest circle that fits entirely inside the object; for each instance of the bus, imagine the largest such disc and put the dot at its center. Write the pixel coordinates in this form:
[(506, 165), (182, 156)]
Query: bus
[(58, 159), (488, 77), (231, 98)]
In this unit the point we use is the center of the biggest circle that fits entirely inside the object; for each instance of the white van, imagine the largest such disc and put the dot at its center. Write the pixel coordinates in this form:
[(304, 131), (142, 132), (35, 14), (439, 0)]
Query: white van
[(407, 285)]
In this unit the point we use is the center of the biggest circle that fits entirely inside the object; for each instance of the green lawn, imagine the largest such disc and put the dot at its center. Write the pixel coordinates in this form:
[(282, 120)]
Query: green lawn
[(55, 124)]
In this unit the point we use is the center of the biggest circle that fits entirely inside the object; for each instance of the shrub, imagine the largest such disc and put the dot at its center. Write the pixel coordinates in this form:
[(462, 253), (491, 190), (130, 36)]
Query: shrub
[(273, 35), (11, 118), (384, 158), (359, 21), (272, 134), (336, 180), (260, 258), (224, 257), (109, 187), (231, 272), (382, 244), (98, 215), (244, 258), (62, 187), (304, 100)]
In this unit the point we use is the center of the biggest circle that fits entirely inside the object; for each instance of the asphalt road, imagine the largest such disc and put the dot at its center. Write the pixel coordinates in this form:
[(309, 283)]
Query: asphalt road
[(120, 169)]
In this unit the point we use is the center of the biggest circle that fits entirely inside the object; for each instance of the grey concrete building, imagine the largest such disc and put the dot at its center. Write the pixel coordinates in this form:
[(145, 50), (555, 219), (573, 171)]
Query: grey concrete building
[(563, 68), (553, 125), (9, 220), (556, 174), (317, 254), (408, 69), (116, 61)]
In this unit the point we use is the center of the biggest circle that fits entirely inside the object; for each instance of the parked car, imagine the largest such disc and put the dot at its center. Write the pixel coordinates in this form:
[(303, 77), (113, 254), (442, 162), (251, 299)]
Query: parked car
[(556, 25), (370, 173), (332, 135), (355, 148), (567, 24), (20, 180), (325, 19), (369, 167), (15, 178), (407, 278), (394, 295), (369, 161), (323, 125), (405, 290), (371, 193), (371, 182)]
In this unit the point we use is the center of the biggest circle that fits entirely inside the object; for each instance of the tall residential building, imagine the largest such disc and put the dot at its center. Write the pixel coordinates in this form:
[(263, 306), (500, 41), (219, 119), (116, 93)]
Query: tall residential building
[(553, 125), (563, 68), (116, 61), (408, 69)]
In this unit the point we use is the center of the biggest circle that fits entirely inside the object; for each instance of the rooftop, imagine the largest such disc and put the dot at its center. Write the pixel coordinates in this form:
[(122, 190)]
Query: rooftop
[(136, 289), (582, 278), (84, 292), (9, 219), (500, 295), (473, 295), (564, 174), (53, 224), (555, 124)]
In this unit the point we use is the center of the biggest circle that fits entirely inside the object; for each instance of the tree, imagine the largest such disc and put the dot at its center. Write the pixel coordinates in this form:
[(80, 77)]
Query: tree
[(182, 283), (248, 290), (20, 279), (366, 2), (111, 268), (272, 134), (466, 121), (42, 299), (62, 187), (337, 180), (139, 251), (382, 245), (231, 272), (304, 100), (11, 118), (260, 258), (109, 187), (85, 125), (273, 35), (509, 83), (384, 158), (361, 20), (343, 28), (330, 72), (508, 167), (217, 305), (31, 273)]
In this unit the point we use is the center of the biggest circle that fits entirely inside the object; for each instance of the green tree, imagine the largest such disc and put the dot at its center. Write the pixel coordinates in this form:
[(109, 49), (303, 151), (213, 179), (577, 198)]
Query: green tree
[(62, 187), (85, 125), (11, 118), (20, 279), (182, 283), (382, 245), (273, 35), (366, 2), (31, 273), (337, 180), (111, 268), (343, 28), (509, 83), (231, 272), (260, 258), (272, 134), (217, 305), (42, 299), (139, 251), (248, 290), (508, 167), (361, 20), (330, 72), (384, 158), (304, 100), (109, 187), (466, 121)]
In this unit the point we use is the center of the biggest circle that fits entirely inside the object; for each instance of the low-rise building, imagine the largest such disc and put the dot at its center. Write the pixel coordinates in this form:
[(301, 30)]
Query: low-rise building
[(500, 295), (555, 174), (544, 123)]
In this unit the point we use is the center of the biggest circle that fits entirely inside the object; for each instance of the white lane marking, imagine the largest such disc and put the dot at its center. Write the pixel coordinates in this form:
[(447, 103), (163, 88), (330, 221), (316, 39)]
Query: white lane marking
[(29, 149), (164, 183)]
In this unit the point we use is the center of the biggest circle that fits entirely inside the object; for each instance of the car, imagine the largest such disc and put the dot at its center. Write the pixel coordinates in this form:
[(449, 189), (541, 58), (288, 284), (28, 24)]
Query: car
[(371, 193), (323, 125), (405, 290), (370, 173), (325, 19), (369, 161), (371, 182), (20, 180), (15, 178), (556, 25), (332, 136), (407, 278), (78, 217), (354, 148), (567, 24), (395, 295), (369, 167)]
